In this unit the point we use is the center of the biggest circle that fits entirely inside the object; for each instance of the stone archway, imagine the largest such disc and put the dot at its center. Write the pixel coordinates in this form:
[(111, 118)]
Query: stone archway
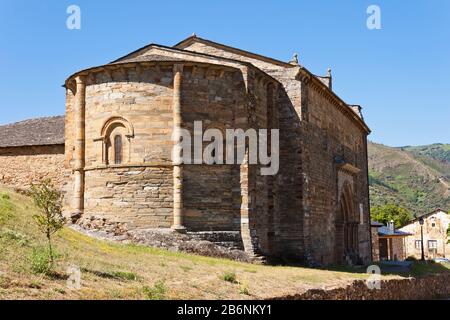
[(346, 227)]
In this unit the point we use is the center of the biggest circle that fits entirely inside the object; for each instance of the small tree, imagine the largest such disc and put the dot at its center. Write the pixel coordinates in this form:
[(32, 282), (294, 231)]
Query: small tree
[(49, 219), (448, 234)]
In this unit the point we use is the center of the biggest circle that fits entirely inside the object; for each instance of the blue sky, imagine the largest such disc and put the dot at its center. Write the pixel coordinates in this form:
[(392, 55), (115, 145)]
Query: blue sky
[(399, 74)]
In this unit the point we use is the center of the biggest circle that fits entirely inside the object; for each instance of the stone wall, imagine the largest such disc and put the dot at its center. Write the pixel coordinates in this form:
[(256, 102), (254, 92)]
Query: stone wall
[(375, 244), (430, 287), (128, 194), (134, 197), (328, 133), (212, 198), (398, 249), (280, 226), (22, 166), (314, 129)]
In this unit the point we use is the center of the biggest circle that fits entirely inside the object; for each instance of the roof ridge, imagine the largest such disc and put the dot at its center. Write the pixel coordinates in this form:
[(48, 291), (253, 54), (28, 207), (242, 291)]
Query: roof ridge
[(31, 119), (286, 64), (160, 46), (41, 131), (183, 51)]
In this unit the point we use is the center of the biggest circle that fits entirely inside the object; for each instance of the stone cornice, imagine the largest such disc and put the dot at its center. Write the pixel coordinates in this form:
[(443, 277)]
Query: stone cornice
[(347, 167), (154, 164), (139, 66), (88, 74), (309, 79), (130, 166)]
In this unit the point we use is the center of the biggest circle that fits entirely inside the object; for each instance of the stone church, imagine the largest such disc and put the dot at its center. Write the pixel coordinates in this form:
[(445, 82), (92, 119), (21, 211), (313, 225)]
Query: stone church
[(118, 142)]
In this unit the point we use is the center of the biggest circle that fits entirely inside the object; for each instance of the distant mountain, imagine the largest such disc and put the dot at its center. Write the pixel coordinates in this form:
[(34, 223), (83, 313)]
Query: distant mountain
[(417, 178)]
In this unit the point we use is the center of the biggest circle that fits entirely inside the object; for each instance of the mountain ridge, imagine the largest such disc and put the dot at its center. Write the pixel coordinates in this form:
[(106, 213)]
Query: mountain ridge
[(414, 177)]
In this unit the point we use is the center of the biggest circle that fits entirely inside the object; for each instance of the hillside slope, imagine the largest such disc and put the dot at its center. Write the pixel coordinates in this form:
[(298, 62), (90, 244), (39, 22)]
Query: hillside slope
[(127, 271), (417, 178)]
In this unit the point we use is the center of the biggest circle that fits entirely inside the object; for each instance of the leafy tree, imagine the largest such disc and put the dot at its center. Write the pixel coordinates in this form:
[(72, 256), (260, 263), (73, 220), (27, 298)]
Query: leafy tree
[(448, 234), (49, 219), (390, 211), (448, 231)]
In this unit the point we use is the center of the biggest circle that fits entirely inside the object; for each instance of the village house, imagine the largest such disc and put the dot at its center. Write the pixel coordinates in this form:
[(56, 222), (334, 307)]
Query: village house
[(435, 237), (388, 244), (118, 172)]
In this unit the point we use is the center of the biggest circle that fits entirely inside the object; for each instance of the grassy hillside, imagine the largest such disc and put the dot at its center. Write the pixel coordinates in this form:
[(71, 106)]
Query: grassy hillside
[(417, 178), (118, 271), (437, 156)]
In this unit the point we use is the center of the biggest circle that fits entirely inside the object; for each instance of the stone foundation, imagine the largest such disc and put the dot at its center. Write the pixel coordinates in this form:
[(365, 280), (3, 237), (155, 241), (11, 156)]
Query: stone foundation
[(218, 244)]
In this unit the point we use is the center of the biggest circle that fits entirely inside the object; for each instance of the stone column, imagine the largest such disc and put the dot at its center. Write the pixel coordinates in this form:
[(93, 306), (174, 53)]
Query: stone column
[(177, 165), (80, 105), (247, 210)]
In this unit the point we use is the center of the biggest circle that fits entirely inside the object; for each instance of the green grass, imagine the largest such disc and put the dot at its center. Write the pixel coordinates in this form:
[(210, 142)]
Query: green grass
[(157, 292), (229, 277), (6, 208), (420, 269)]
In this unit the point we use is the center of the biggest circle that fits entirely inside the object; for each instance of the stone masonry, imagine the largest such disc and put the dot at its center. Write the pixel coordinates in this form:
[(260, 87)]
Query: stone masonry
[(22, 166)]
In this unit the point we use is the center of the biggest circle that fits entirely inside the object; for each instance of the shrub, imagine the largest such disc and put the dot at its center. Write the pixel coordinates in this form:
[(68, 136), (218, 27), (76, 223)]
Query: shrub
[(6, 209), (157, 292), (60, 290), (229, 277), (244, 289), (11, 235), (40, 261), (125, 275), (117, 275), (448, 234), (4, 196)]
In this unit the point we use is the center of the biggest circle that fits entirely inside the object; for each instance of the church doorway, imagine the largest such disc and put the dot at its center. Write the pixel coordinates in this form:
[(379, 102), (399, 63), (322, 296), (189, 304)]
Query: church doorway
[(346, 236)]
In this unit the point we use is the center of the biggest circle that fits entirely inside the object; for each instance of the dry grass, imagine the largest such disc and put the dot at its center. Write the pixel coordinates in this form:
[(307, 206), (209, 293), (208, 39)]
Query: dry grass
[(116, 271)]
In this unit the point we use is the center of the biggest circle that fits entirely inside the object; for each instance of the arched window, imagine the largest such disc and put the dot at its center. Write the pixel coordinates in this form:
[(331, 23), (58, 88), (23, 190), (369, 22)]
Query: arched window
[(118, 149), (116, 135)]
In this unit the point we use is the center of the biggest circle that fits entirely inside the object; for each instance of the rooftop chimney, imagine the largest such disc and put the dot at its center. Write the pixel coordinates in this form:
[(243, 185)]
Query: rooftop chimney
[(330, 79), (391, 226), (294, 60), (357, 109)]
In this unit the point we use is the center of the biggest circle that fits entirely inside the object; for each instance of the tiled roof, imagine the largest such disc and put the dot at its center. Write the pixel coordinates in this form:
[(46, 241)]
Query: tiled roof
[(144, 58), (33, 132), (376, 224), (386, 231)]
